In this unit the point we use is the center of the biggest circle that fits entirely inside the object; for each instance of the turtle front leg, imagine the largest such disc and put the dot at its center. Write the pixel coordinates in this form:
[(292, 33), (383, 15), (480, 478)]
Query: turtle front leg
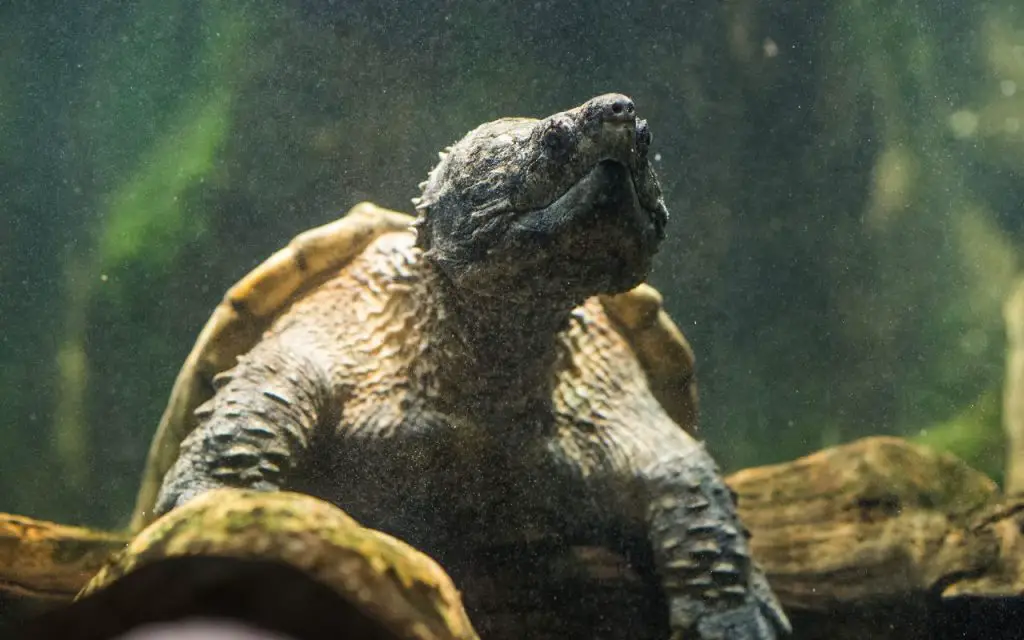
[(713, 588), (255, 429)]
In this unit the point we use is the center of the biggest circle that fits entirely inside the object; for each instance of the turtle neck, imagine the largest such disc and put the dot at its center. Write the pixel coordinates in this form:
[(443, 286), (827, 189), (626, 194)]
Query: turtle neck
[(495, 353)]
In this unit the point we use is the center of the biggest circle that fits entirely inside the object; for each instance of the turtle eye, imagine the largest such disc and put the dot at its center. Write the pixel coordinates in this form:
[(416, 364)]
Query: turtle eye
[(557, 139)]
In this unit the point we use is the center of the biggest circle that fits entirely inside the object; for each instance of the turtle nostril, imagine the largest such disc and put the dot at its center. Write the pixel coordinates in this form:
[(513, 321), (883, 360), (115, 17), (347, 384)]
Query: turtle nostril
[(611, 108), (622, 106)]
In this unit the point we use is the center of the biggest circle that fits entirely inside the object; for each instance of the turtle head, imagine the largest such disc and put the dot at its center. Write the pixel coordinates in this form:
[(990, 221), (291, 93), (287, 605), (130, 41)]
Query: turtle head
[(565, 207)]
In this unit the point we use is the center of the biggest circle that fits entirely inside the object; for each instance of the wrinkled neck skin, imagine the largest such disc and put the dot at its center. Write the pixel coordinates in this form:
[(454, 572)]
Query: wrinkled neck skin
[(497, 353)]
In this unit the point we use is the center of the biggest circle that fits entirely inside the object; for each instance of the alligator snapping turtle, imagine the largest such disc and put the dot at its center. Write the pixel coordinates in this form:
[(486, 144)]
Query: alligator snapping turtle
[(475, 377)]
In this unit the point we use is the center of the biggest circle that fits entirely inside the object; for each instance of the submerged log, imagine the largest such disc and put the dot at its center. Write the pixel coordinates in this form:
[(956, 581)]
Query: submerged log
[(40, 559), (873, 520), (879, 538)]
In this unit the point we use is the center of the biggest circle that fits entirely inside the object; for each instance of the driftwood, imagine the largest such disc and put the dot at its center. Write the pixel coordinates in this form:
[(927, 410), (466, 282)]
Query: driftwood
[(879, 538), (884, 539), (44, 560)]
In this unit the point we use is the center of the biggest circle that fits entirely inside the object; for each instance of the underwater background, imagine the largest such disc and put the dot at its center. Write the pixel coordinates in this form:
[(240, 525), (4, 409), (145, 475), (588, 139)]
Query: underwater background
[(846, 183)]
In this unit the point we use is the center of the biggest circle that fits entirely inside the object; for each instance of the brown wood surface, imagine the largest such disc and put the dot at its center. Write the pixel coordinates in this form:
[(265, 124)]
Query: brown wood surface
[(879, 538), (43, 559)]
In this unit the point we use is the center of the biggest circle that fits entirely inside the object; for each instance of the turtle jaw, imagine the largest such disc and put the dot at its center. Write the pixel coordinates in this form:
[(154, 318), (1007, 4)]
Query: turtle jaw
[(597, 237)]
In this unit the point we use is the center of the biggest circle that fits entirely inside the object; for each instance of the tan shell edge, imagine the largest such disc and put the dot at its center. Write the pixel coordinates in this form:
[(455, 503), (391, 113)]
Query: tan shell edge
[(663, 351), (240, 319)]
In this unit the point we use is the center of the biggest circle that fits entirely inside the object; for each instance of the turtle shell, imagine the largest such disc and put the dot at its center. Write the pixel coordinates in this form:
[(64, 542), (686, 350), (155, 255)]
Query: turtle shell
[(663, 351), (250, 306)]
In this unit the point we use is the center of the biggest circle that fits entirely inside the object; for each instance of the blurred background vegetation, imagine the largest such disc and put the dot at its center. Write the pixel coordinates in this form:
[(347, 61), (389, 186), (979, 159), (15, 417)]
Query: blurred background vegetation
[(846, 181)]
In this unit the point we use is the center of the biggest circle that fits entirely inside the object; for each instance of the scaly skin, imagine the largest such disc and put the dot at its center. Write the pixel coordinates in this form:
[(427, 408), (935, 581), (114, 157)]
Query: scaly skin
[(462, 384)]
